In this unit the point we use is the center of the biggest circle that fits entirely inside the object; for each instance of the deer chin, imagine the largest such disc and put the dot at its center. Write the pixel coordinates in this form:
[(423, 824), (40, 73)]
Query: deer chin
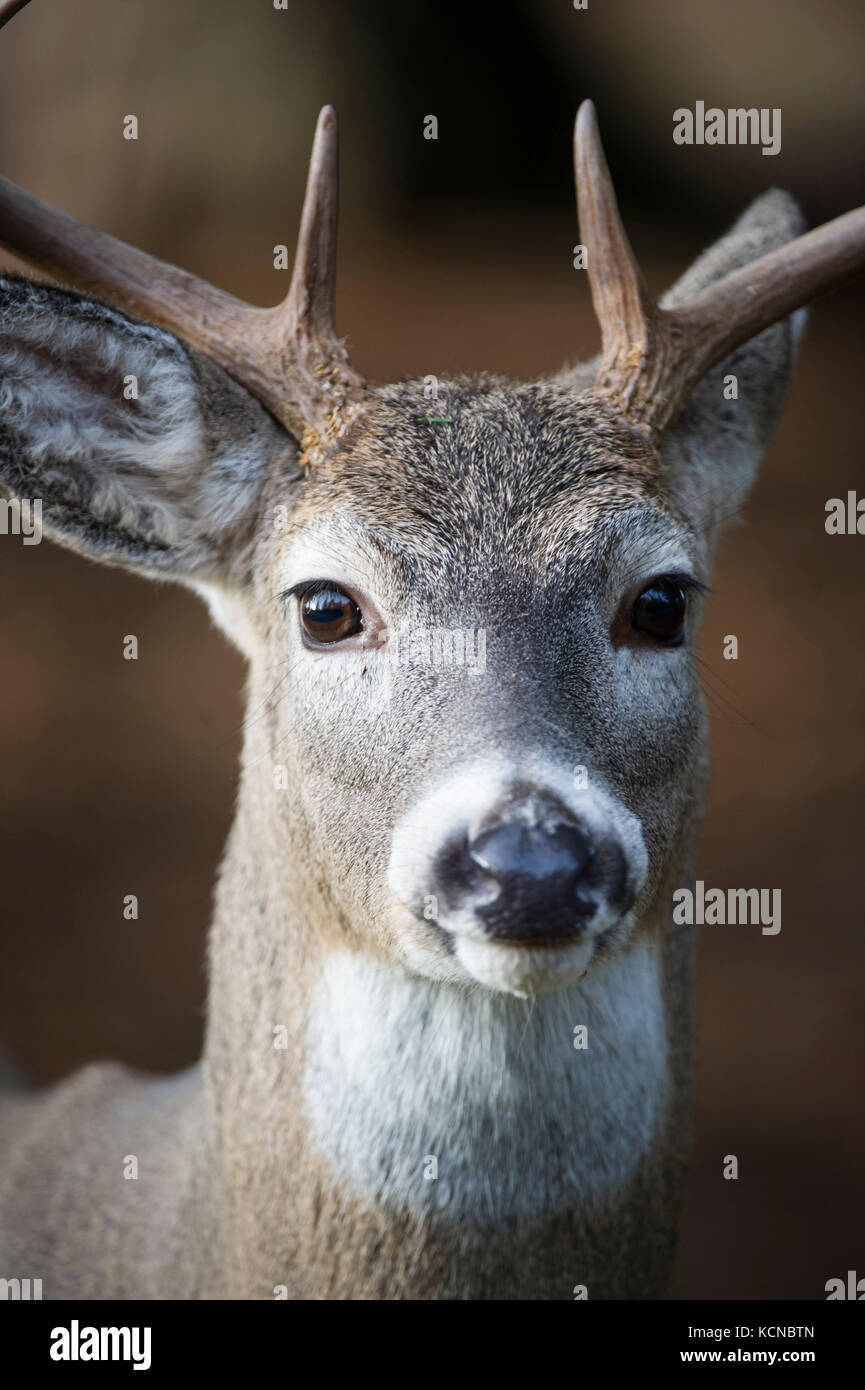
[(461, 953), (522, 970)]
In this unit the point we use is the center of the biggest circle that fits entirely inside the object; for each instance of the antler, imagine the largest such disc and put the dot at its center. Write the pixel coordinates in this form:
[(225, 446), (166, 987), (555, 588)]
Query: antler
[(289, 356), (651, 358), (10, 7)]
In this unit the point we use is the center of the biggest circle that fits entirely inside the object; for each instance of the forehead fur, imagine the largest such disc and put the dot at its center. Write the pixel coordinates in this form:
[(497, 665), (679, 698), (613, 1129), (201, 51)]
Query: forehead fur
[(487, 461)]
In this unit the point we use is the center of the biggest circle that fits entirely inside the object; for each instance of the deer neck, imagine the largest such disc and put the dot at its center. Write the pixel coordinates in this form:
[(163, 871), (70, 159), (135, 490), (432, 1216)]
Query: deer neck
[(348, 1097)]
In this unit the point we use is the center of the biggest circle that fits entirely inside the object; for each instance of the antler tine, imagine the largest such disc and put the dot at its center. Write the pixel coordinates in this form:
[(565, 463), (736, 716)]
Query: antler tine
[(253, 345), (302, 328), (281, 355), (308, 308), (623, 307), (736, 308), (8, 8), (651, 357)]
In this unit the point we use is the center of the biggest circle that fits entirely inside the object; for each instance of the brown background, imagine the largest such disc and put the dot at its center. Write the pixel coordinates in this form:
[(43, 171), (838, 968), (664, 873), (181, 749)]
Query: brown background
[(118, 776)]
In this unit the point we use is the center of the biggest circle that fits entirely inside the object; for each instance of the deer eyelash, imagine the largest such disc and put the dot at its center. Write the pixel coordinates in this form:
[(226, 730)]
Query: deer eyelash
[(685, 581), (305, 588)]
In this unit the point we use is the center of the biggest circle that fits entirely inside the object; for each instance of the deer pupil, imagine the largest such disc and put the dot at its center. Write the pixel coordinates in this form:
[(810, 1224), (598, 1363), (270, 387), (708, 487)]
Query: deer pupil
[(329, 616), (660, 610)]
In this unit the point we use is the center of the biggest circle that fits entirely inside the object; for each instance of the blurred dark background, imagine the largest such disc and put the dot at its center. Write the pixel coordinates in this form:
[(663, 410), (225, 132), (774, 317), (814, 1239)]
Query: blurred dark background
[(118, 777)]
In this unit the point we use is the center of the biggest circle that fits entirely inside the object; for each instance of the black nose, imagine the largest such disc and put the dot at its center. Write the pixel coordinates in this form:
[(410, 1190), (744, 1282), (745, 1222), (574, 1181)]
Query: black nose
[(532, 873), (529, 855)]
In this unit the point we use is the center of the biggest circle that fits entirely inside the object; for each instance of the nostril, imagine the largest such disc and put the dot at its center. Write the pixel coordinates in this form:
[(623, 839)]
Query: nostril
[(532, 852)]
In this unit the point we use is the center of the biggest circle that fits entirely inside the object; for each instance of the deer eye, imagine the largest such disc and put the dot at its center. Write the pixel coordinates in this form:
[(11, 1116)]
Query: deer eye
[(328, 615), (660, 611)]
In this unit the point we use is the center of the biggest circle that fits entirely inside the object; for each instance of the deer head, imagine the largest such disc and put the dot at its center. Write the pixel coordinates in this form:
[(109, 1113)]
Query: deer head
[(433, 814)]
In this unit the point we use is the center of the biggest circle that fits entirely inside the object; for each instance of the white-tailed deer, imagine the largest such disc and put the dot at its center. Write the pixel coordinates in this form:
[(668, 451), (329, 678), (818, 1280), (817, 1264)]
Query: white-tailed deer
[(423, 911)]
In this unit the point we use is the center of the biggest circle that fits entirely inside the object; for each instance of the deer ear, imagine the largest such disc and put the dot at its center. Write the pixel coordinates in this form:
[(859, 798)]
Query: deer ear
[(142, 452), (712, 451)]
